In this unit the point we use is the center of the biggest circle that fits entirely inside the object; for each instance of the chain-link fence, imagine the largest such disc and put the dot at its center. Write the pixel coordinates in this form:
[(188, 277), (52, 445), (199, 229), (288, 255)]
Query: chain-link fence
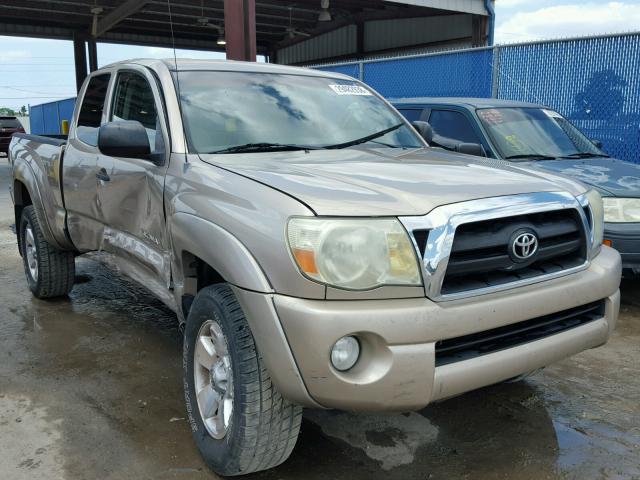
[(593, 81)]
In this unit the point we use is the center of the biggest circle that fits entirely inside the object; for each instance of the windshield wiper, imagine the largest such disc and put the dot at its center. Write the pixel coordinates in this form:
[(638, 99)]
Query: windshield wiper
[(262, 147), (585, 155), (365, 139), (530, 156)]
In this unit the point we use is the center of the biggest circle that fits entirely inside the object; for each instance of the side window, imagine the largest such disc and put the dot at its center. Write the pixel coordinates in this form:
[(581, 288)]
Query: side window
[(411, 114), (134, 100), (90, 114), (453, 126)]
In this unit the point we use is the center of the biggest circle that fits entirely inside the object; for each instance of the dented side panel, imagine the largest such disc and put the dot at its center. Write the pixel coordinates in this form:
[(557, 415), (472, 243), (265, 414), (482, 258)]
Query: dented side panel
[(37, 166)]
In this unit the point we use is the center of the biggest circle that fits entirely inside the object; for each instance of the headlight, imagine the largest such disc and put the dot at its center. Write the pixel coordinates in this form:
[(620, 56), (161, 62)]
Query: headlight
[(355, 254), (597, 219), (621, 210)]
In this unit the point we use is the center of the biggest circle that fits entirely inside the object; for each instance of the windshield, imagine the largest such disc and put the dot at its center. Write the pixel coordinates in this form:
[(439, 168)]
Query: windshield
[(10, 123), (534, 132), (224, 110)]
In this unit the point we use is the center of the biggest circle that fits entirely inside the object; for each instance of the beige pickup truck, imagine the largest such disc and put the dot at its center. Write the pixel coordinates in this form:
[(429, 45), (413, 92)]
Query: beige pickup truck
[(316, 251)]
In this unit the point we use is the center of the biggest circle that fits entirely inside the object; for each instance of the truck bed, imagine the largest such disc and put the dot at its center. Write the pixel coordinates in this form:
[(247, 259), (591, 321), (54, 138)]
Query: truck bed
[(56, 140)]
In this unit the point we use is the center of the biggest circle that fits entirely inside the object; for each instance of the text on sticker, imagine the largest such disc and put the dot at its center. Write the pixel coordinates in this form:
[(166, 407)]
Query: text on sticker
[(349, 90)]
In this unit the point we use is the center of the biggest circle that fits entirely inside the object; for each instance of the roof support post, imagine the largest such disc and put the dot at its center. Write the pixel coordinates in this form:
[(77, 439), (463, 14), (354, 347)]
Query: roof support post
[(240, 29), (93, 54), (80, 58)]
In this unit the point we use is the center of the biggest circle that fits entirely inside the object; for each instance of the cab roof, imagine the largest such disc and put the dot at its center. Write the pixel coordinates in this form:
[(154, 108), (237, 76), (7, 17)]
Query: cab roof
[(186, 64)]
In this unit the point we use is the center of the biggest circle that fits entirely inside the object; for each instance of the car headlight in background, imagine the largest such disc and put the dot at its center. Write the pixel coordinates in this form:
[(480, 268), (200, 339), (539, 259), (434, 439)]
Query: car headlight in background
[(355, 254), (597, 214), (621, 210)]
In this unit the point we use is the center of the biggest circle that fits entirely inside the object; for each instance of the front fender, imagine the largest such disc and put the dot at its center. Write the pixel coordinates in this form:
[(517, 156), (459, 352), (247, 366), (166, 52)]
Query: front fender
[(218, 248)]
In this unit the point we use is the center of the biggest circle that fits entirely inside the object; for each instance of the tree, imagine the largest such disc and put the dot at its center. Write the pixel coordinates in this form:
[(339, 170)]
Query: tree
[(23, 110)]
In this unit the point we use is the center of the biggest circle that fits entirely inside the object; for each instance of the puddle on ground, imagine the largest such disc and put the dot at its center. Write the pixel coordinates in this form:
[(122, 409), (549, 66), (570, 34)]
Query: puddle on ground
[(30, 441)]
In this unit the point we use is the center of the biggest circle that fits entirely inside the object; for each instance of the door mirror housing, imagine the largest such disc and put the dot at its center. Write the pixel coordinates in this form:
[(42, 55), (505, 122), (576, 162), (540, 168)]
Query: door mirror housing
[(471, 149), (424, 129), (126, 138)]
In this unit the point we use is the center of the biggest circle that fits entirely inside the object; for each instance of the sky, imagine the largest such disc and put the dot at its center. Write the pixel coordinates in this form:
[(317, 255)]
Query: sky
[(526, 20), (34, 71)]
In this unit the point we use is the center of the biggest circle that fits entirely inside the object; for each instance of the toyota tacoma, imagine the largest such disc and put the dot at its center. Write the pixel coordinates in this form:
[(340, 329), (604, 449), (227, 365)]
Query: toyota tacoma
[(316, 251)]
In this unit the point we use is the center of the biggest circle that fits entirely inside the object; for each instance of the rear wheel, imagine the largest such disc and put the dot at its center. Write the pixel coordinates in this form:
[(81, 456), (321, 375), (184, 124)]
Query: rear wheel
[(50, 272), (240, 422)]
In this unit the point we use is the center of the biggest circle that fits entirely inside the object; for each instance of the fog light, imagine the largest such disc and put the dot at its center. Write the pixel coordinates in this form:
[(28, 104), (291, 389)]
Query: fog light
[(345, 353)]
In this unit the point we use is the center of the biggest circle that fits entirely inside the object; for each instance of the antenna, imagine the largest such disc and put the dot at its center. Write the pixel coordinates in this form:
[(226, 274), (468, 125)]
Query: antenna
[(175, 63)]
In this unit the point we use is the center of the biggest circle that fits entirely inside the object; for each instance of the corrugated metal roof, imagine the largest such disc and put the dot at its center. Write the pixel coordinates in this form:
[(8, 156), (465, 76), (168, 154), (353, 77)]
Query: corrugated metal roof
[(402, 32), (335, 43), (469, 6)]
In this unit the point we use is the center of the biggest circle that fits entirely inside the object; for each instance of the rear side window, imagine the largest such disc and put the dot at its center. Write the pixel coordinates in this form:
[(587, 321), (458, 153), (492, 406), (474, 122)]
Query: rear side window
[(10, 123), (90, 115), (453, 126), (134, 100), (411, 114)]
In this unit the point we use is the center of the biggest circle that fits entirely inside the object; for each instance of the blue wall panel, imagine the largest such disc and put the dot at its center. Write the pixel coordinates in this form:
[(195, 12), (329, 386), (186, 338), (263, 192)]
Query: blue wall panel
[(46, 119)]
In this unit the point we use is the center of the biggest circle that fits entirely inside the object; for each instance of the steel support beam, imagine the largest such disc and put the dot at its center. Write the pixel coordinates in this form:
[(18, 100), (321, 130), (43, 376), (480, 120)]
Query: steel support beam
[(93, 54), (114, 17), (80, 58), (240, 29)]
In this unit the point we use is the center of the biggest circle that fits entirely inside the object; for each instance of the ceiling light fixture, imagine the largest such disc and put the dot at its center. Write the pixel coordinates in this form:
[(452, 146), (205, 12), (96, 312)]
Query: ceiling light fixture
[(222, 40), (325, 14)]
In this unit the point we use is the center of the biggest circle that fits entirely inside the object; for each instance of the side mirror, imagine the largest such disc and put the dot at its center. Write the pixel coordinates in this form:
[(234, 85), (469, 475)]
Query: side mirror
[(424, 129), (471, 149), (126, 139), (597, 143)]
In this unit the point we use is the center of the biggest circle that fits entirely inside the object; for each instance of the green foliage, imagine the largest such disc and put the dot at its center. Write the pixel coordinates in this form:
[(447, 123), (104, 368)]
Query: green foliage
[(7, 111)]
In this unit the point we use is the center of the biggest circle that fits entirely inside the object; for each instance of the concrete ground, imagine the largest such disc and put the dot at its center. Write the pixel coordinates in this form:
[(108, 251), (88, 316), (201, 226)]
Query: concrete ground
[(90, 388)]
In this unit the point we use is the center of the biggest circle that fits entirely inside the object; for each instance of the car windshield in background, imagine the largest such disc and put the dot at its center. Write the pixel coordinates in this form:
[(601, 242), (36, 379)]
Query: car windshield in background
[(535, 134), (10, 123), (232, 112)]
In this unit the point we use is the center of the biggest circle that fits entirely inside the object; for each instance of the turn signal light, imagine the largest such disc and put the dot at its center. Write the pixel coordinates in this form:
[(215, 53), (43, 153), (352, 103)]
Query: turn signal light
[(608, 243), (306, 259)]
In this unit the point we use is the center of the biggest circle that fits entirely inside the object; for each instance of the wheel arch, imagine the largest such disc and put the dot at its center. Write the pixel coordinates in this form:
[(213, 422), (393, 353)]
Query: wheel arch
[(26, 189), (205, 254), (21, 199)]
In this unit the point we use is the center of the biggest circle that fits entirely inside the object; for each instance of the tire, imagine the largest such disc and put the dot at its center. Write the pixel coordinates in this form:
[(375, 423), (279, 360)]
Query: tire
[(262, 427), (54, 271)]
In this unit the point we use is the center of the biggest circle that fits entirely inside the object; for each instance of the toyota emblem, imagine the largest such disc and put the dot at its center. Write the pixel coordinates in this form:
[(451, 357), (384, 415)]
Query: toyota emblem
[(524, 246)]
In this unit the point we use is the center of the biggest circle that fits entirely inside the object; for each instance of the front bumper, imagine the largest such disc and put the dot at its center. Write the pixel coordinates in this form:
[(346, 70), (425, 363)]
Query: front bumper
[(397, 368), (625, 238)]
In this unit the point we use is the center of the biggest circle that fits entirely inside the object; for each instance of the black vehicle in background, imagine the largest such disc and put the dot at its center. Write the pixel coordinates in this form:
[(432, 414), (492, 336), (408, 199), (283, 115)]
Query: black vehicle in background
[(8, 126), (537, 136)]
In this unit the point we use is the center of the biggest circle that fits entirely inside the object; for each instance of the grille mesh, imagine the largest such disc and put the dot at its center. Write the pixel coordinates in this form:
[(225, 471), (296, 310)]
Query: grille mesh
[(480, 255)]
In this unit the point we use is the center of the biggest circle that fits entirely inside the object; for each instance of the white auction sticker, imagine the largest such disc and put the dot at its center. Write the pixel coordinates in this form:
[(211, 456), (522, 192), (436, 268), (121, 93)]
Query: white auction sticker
[(349, 90)]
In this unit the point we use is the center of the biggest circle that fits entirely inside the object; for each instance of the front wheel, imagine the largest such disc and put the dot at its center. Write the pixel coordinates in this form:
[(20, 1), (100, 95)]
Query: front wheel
[(240, 422), (50, 272)]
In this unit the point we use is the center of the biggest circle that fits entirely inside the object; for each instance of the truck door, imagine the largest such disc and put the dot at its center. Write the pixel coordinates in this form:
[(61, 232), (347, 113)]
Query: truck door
[(79, 183), (130, 190)]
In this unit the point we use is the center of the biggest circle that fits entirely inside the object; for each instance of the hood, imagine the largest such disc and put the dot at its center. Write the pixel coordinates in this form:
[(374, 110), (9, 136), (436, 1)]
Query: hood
[(612, 177), (385, 182)]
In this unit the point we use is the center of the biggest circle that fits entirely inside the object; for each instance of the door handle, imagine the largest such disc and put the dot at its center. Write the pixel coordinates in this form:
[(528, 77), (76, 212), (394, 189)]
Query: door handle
[(102, 175)]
